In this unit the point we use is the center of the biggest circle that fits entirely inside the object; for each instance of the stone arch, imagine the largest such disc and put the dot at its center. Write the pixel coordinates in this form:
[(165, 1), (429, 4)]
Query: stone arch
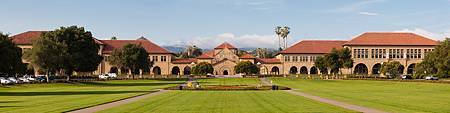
[(410, 69), (275, 70), (401, 69), (313, 70), (263, 70), (376, 69), (225, 72), (156, 70), (146, 71), (293, 70), (175, 70), (124, 70), (360, 69), (324, 71), (303, 70), (187, 70)]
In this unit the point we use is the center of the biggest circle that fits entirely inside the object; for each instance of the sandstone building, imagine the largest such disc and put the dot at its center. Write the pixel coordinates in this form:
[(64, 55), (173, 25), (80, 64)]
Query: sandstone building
[(369, 50)]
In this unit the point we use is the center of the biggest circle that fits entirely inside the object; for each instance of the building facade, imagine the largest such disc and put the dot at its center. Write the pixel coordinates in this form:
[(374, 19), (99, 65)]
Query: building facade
[(369, 51)]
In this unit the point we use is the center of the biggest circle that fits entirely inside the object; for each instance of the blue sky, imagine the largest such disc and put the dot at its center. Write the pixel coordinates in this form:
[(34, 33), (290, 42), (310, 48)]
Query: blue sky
[(245, 23)]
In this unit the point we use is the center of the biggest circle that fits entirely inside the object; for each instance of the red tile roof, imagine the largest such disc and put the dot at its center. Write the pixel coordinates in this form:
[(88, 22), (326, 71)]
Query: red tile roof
[(391, 38), (151, 48), (246, 56), (314, 47), (225, 45), (268, 60), (184, 61), (207, 55), (25, 38)]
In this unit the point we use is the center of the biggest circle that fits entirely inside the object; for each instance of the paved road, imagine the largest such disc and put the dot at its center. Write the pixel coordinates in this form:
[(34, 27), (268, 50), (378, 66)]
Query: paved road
[(117, 103)]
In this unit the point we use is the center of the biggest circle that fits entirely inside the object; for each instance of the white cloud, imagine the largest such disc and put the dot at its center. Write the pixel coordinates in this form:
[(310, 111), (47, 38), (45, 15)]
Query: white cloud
[(357, 5), (423, 32), (368, 13), (262, 41)]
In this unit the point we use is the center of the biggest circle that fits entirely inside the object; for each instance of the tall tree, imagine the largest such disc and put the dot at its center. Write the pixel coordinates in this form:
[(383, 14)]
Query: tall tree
[(345, 57), (246, 67), (47, 55), (436, 62), (321, 64), (80, 47), (131, 56), (391, 68), (202, 68), (10, 57)]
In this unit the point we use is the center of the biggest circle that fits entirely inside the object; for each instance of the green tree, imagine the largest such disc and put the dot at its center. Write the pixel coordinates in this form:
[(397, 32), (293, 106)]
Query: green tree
[(113, 38), (436, 62), (10, 57), (246, 67), (333, 61), (47, 55), (202, 68), (391, 68), (131, 56), (345, 57), (79, 50), (422, 69), (321, 64)]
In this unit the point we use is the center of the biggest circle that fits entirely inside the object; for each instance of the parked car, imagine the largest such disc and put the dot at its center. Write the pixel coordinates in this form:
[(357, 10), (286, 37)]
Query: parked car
[(28, 77), (112, 75), (41, 78), (14, 80), (431, 78), (103, 76), (406, 76), (24, 80), (5, 81)]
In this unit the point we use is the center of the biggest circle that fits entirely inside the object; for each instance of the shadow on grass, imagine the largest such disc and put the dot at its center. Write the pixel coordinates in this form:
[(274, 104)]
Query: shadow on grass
[(9, 106), (127, 84), (67, 93)]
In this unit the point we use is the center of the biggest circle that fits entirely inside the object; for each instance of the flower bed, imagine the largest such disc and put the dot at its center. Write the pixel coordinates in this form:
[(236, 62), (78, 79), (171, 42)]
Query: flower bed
[(229, 87)]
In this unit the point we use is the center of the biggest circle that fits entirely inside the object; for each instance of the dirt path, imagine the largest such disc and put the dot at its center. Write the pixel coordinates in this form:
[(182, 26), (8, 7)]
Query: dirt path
[(117, 103), (336, 103)]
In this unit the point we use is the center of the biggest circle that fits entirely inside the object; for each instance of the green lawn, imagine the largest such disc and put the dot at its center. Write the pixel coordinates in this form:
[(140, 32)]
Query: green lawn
[(229, 81), (62, 97), (390, 96), (225, 102)]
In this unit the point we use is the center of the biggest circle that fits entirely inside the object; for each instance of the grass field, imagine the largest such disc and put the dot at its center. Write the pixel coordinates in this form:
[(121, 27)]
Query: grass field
[(59, 97), (229, 81), (390, 96), (226, 102)]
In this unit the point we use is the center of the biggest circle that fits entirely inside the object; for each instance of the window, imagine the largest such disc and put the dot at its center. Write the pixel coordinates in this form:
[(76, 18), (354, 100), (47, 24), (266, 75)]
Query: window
[(155, 58), (295, 58), (163, 58), (286, 58)]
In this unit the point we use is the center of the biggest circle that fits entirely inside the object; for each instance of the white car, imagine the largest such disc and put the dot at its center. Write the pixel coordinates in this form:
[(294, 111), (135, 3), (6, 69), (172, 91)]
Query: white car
[(103, 76), (112, 75), (4, 81), (29, 78), (23, 79), (13, 80), (431, 78)]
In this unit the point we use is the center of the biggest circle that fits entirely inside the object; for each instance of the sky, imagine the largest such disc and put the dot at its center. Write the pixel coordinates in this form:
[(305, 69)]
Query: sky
[(244, 23)]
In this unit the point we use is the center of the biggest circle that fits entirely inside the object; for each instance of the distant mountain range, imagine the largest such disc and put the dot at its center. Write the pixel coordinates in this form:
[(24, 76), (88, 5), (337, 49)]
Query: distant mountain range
[(178, 49)]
